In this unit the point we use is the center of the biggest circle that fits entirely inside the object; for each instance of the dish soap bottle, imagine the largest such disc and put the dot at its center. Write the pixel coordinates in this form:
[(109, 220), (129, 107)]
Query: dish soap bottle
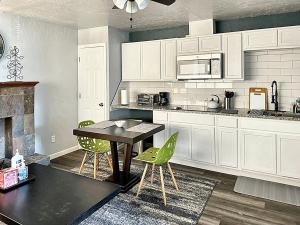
[(17, 160)]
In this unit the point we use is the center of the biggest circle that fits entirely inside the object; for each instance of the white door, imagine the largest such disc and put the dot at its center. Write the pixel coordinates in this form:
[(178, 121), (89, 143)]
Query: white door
[(258, 151), (203, 144), (183, 145), (227, 144), (168, 59), (188, 45), (92, 83), (151, 58), (131, 61), (288, 155), (210, 43)]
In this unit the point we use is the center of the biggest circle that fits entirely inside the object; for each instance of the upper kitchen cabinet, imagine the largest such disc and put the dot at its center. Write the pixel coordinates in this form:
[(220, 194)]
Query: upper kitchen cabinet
[(260, 39), (210, 43), (131, 61), (188, 46), (289, 37), (151, 60), (233, 57), (168, 59)]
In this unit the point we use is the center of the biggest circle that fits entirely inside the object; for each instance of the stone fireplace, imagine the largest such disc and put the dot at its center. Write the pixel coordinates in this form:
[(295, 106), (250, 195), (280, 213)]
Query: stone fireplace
[(17, 118)]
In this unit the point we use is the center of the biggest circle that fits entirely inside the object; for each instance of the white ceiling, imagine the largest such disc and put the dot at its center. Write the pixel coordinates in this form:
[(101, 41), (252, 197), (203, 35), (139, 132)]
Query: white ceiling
[(93, 13)]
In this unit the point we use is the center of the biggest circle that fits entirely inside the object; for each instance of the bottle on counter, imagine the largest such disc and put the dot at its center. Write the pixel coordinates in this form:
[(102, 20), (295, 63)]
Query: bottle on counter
[(297, 106)]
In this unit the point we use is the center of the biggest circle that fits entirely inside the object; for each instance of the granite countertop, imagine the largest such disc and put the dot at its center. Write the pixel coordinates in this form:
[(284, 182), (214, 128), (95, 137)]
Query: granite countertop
[(241, 112)]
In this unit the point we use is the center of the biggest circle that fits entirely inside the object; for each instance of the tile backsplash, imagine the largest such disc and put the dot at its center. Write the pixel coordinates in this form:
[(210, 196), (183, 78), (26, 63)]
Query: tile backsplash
[(261, 68)]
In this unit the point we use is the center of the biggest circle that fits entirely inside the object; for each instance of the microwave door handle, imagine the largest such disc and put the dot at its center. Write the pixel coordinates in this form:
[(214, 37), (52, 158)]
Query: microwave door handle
[(208, 68)]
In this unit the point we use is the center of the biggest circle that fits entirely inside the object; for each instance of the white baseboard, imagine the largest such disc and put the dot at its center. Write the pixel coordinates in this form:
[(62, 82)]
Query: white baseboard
[(64, 152)]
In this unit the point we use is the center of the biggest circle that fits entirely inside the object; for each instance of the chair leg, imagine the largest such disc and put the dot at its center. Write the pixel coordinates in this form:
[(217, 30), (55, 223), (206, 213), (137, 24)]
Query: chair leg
[(163, 185), (98, 162), (95, 164), (172, 175), (108, 160), (152, 173), (83, 162), (142, 181)]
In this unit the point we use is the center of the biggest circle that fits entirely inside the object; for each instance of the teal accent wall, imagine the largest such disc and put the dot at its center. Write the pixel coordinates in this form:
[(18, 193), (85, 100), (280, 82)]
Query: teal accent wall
[(248, 23)]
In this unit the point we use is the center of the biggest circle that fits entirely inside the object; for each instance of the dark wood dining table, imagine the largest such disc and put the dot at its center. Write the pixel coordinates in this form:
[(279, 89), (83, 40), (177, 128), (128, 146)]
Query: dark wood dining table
[(117, 135)]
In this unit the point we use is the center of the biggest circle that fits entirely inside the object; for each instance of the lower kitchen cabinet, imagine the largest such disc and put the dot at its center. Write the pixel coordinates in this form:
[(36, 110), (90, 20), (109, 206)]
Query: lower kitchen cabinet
[(203, 144), (258, 151), (183, 146), (227, 145), (288, 155)]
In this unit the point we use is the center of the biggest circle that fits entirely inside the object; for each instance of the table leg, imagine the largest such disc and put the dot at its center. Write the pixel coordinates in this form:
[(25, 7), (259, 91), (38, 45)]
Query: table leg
[(127, 160), (115, 160)]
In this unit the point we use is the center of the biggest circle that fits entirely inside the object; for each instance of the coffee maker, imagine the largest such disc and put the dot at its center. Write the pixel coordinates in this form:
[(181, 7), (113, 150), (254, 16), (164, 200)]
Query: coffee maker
[(164, 98)]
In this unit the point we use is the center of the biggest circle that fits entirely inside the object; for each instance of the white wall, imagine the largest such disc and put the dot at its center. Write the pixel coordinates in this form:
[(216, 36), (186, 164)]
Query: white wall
[(50, 53)]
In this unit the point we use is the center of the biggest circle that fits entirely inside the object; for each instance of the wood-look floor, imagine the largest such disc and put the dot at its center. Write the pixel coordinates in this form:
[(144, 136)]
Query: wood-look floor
[(225, 207)]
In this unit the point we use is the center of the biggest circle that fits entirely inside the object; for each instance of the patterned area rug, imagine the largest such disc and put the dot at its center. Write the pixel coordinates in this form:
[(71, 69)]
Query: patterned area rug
[(184, 207)]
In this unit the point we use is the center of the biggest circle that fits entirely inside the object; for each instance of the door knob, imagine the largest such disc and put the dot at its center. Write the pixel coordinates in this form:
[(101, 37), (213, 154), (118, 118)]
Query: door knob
[(101, 104)]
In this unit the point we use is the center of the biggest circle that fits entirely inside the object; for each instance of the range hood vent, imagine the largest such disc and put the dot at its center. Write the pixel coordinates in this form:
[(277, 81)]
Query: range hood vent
[(201, 27)]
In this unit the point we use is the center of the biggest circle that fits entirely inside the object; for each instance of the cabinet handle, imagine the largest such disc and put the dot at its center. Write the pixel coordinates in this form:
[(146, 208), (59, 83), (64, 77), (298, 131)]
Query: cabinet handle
[(101, 104)]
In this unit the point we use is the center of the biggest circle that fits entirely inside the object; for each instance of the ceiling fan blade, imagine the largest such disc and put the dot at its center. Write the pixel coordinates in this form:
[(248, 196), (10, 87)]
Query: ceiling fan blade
[(165, 2)]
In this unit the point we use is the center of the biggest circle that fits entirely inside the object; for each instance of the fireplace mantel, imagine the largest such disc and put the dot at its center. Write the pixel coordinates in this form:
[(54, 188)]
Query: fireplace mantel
[(18, 84)]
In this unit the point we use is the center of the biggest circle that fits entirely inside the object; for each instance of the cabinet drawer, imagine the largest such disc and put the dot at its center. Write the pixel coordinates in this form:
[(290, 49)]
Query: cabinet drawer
[(160, 116), (226, 121), (192, 118)]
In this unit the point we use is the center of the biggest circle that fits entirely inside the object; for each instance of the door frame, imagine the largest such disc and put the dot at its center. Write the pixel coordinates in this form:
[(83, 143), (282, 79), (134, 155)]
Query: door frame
[(106, 97)]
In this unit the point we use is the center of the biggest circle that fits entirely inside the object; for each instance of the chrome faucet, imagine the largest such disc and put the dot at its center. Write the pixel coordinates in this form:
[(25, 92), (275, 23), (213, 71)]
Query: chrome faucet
[(275, 95)]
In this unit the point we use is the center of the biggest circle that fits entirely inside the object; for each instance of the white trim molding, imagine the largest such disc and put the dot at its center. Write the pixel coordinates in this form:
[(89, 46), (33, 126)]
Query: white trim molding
[(64, 152)]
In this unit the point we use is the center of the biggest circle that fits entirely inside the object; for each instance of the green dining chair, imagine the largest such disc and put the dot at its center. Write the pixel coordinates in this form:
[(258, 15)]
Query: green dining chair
[(94, 146), (159, 157)]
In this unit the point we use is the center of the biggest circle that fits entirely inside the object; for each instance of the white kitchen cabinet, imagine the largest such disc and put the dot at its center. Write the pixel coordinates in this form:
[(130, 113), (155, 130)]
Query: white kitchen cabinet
[(188, 46), (169, 60), (288, 155), (289, 37), (258, 151), (160, 138), (233, 56), (260, 39), (183, 145), (210, 43), (131, 61), (227, 145), (203, 144), (150, 60)]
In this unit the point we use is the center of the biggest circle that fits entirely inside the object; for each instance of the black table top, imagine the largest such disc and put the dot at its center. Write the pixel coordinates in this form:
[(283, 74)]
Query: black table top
[(55, 197), (118, 134)]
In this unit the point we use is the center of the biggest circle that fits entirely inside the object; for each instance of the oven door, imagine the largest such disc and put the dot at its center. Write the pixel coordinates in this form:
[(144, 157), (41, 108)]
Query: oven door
[(194, 69)]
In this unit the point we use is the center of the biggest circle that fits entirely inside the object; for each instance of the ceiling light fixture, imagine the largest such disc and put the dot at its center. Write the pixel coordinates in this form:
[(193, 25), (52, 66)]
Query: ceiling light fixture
[(131, 6)]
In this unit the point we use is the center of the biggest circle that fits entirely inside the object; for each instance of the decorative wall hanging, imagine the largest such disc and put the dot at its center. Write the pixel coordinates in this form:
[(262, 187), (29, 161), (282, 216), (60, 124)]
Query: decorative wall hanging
[(2, 46), (14, 64)]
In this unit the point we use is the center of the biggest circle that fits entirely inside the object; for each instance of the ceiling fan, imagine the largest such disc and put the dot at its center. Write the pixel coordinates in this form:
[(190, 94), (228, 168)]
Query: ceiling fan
[(132, 6)]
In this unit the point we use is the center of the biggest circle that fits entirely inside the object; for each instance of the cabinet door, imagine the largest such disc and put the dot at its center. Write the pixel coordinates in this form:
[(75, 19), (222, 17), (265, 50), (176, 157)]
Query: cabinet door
[(183, 145), (188, 45), (227, 142), (203, 144), (131, 61), (169, 60), (289, 37), (210, 43), (260, 39), (258, 151), (160, 138), (234, 56), (288, 155), (151, 60)]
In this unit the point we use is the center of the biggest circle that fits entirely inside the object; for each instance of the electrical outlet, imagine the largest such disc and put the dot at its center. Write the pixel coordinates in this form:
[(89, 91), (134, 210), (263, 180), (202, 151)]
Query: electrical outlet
[(53, 139)]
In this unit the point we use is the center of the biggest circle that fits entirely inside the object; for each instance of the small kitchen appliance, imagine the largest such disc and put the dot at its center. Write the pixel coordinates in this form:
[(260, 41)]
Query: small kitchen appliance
[(198, 67), (228, 100), (143, 99), (164, 98), (214, 103)]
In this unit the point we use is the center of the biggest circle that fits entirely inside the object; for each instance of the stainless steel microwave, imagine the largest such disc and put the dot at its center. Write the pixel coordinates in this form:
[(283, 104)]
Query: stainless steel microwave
[(198, 67)]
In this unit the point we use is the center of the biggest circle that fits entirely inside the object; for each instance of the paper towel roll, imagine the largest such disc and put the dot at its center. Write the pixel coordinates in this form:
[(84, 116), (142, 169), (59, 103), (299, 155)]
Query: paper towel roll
[(124, 97)]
